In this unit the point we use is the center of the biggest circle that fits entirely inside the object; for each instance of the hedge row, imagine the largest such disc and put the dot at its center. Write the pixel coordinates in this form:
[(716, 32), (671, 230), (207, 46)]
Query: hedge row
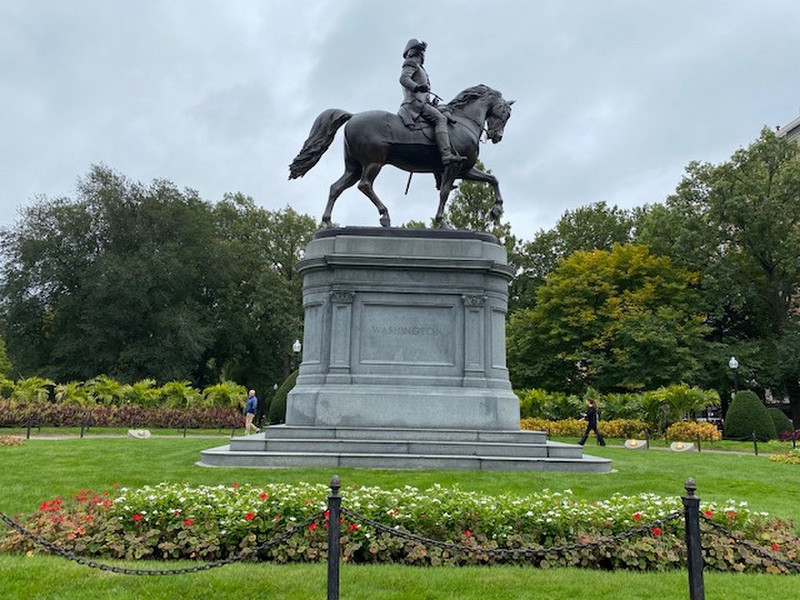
[(13, 414)]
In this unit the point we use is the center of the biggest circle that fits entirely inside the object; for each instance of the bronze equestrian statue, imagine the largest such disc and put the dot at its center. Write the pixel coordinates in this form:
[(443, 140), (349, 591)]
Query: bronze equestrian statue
[(442, 140)]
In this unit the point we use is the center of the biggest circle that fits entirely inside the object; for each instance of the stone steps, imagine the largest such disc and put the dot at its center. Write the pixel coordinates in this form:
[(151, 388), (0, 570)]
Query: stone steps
[(392, 448)]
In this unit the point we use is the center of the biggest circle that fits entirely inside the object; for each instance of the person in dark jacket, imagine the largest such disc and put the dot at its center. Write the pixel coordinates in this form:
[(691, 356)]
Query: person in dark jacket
[(591, 423), (250, 413)]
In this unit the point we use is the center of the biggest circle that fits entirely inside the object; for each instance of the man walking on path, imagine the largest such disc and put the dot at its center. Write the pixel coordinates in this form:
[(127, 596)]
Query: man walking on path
[(250, 413), (591, 423)]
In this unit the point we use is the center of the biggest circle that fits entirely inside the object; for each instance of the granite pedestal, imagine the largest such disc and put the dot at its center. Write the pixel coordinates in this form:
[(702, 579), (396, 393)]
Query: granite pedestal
[(404, 361)]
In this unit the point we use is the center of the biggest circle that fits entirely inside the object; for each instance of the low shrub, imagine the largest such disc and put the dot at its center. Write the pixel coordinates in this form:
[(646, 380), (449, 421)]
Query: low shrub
[(688, 431), (792, 457), (276, 413), (788, 436), (781, 421), (11, 440), (618, 428), (13, 414), (747, 415), (173, 521)]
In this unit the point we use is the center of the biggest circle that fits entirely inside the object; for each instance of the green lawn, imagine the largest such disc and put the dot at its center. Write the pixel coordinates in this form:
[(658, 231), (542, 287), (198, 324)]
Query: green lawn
[(43, 469)]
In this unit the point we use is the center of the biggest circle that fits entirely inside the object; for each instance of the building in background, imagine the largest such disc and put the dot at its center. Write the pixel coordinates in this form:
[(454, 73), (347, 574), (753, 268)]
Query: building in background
[(791, 130)]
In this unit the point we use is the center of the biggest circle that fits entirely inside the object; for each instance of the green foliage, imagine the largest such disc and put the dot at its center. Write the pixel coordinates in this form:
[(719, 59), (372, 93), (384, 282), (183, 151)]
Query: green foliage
[(780, 420), (227, 394), (104, 390), (179, 394), (277, 408), (151, 281), (747, 415), (32, 390), (73, 392), (592, 227), (618, 320), (5, 363), (792, 457), (141, 393), (688, 431)]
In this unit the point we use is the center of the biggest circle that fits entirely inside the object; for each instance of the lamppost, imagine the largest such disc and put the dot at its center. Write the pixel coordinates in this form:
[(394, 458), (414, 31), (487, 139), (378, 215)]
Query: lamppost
[(296, 348), (734, 364)]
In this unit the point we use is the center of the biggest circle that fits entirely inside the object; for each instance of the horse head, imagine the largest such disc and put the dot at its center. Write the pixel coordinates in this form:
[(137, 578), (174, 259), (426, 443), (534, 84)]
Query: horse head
[(497, 117), (482, 104)]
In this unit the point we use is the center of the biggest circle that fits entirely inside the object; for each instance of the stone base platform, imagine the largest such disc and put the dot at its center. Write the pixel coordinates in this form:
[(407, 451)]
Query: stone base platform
[(396, 448)]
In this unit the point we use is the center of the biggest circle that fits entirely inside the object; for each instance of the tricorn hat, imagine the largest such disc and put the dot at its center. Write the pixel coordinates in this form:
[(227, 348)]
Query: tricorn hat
[(414, 43)]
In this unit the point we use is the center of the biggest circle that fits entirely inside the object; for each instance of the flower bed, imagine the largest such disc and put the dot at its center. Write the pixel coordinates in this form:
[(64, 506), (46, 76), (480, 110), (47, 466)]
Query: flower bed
[(171, 521)]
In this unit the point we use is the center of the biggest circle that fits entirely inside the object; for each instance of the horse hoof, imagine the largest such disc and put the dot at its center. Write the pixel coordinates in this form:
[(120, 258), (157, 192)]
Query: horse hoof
[(326, 224), (386, 221)]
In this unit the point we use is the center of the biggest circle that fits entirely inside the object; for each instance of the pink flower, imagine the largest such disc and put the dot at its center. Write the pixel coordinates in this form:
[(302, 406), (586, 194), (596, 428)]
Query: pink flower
[(137, 517), (249, 516)]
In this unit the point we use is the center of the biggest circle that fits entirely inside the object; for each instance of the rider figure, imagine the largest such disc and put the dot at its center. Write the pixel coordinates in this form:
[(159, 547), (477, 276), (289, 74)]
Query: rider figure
[(416, 100)]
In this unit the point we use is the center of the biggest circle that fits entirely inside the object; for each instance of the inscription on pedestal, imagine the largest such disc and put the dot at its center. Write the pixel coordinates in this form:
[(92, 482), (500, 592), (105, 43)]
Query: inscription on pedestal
[(403, 334)]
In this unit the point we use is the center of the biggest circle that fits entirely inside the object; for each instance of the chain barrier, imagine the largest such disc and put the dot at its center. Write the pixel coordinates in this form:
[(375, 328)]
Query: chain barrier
[(516, 552), (758, 550), (243, 555)]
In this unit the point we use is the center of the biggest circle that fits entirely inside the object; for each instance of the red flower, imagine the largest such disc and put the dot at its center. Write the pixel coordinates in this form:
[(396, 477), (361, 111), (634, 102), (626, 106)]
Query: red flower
[(354, 526), (235, 485), (327, 514), (709, 513), (312, 526), (775, 546), (176, 512), (107, 503), (467, 533), (263, 496), (249, 516), (637, 517), (656, 530), (137, 517), (276, 518), (731, 514), (188, 522), (89, 518)]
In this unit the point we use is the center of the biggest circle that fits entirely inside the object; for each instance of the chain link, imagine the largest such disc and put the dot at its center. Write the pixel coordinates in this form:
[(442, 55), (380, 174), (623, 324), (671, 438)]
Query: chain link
[(526, 552), (243, 555), (763, 553)]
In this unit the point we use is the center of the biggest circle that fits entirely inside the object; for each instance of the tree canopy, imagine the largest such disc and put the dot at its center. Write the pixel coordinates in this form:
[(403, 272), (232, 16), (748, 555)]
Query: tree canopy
[(138, 281)]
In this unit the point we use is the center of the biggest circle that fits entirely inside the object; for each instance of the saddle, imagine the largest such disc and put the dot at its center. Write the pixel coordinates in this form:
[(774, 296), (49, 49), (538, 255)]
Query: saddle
[(414, 121)]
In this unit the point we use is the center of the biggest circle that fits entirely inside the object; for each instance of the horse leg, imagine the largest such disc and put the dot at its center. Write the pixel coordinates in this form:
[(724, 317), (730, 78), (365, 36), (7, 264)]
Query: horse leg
[(477, 175), (368, 175), (351, 175), (446, 186)]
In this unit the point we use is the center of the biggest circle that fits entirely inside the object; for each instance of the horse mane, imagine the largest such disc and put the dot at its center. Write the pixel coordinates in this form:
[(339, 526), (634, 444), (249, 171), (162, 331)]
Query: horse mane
[(471, 94)]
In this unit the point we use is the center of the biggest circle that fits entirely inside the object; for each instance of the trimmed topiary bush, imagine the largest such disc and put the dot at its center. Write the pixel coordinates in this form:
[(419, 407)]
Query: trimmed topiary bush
[(277, 408), (747, 414), (782, 423)]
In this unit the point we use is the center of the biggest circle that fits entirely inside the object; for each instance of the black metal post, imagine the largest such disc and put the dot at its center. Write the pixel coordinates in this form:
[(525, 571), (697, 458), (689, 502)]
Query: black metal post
[(334, 506), (694, 549), (185, 427), (28, 434), (755, 443), (83, 426), (233, 430), (794, 441), (698, 443), (647, 439)]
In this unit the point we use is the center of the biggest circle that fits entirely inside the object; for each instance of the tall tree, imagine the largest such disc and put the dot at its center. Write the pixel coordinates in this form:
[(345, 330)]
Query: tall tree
[(738, 224), (617, 320), (592, 227)]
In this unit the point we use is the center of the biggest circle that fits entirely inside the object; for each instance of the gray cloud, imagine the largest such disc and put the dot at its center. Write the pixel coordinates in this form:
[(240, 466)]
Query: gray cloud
[(613, 98)]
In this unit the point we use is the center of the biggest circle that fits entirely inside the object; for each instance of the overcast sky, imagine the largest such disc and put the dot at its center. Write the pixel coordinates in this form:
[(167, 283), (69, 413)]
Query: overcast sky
[(613, 98)]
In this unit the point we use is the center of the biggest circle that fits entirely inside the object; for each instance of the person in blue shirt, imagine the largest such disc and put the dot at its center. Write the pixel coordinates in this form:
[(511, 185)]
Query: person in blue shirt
[(250, 413)]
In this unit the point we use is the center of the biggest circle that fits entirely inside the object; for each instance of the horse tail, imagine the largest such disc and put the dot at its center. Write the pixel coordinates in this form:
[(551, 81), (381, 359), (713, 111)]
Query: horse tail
[(322, 133)]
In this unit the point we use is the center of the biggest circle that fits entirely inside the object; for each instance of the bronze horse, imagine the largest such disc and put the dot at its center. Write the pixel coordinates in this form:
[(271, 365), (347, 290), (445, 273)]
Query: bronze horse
[(376, 138)]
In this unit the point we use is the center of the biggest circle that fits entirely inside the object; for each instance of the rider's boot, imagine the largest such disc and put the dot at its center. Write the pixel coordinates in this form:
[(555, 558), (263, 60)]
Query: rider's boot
[(448, 156)]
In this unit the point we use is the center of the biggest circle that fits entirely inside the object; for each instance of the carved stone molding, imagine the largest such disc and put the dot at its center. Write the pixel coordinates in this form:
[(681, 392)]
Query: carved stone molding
[(474, 300), (342, 296)]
